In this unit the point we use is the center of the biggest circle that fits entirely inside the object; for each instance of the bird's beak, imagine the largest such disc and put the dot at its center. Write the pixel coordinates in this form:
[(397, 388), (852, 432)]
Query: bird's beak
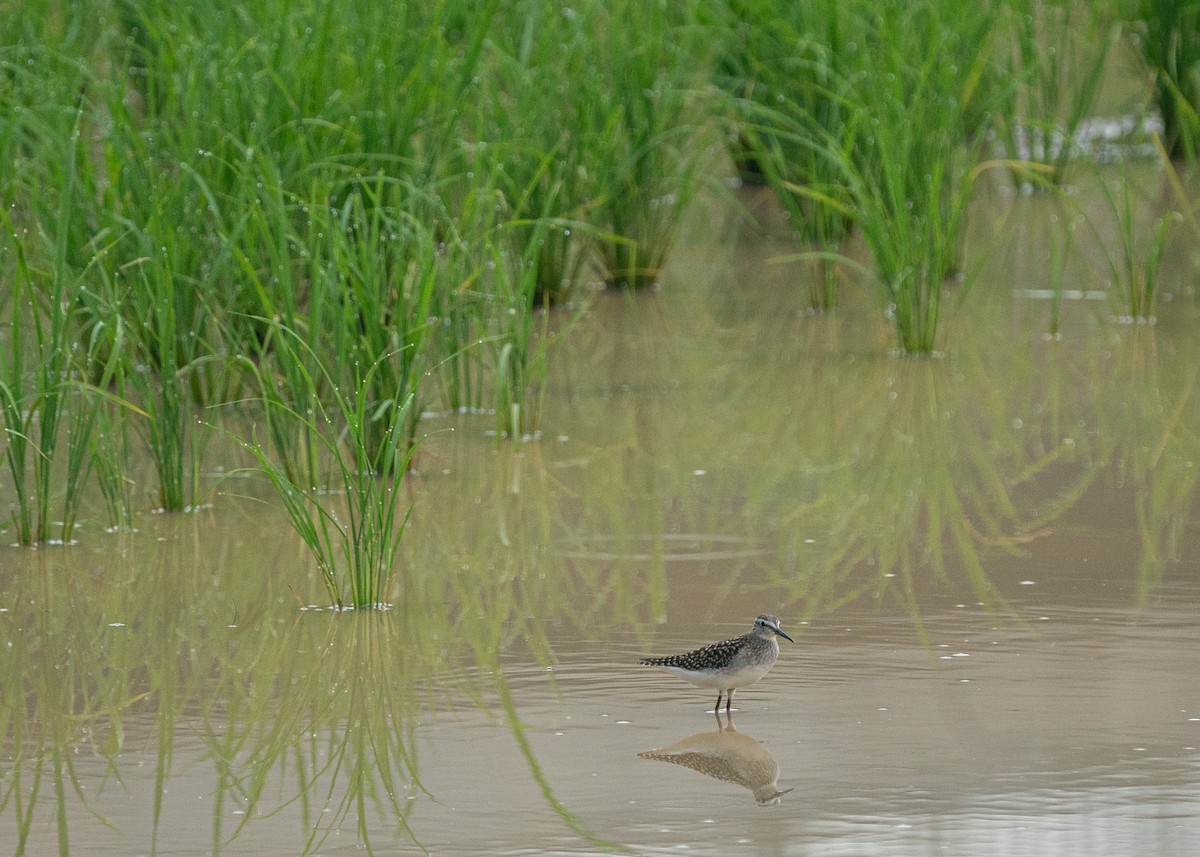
[(780, 632)]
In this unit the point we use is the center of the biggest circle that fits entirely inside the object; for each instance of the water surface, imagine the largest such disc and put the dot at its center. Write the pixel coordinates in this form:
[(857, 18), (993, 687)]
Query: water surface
[(988, 561)]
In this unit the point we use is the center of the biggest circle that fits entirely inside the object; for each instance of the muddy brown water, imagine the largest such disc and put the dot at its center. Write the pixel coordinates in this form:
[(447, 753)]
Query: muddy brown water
[(989, 562)]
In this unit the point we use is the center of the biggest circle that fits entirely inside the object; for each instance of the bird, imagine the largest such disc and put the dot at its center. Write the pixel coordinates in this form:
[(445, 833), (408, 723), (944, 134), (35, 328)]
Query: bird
[(729, 664)]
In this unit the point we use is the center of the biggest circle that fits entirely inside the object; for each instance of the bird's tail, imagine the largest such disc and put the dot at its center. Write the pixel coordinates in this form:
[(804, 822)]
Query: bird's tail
[(657, 662)]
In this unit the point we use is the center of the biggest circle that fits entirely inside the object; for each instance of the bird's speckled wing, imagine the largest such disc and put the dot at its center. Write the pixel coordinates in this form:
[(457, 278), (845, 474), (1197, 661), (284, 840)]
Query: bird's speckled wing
[(712, 656)]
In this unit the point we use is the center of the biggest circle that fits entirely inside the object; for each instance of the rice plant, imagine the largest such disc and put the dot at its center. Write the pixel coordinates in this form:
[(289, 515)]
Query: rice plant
[(1133, 259), (1046, 76), (1167, 42), (537, 160), (642, 135), (353, 528), (788, 80), (49, 418), (909, 172), (42, 403), (506, 296), (876, 135), (148, 305), (386, 265), (460, 373), (520, 338)]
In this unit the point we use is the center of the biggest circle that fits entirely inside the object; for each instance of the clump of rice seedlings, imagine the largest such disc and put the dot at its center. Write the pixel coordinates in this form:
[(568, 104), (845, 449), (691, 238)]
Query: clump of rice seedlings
[(510, 250), (148, 306), (546, 203), (361, 294), (459, 372), (49, 419), (536, 158), (809, 185), (1048, 69), (527, 260), (1134, 261), (786, 94), (344, 341), (1167, 41), (283, 254), (502, 309), (877, 135), (161, 280), (743, 56), (352, 528), (541, 192), (641, 136), (42, 402), (908, 174), (385, 265), (520, 337), (170, 427)]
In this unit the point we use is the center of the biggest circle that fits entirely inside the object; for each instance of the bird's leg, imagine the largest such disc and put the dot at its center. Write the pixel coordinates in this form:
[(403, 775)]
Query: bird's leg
[(729, 700), (720, 693)]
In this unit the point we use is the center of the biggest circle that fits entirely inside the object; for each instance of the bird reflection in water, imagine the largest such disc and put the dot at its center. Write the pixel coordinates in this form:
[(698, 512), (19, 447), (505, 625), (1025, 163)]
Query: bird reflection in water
[(729, 756)]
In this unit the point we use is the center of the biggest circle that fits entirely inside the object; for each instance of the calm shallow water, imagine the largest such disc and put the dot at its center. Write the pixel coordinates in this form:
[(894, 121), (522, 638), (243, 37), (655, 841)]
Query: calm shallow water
[(988, 560)]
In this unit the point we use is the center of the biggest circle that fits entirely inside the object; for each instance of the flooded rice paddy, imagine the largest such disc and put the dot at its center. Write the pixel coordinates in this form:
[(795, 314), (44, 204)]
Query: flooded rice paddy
[(989, 561)]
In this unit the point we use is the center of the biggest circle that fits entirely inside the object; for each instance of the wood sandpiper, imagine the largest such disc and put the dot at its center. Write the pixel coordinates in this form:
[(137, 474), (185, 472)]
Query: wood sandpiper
[(729, 664)]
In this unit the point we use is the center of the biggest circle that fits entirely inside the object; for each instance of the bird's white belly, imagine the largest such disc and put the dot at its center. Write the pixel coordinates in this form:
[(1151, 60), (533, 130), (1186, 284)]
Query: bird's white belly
[(723, 679)]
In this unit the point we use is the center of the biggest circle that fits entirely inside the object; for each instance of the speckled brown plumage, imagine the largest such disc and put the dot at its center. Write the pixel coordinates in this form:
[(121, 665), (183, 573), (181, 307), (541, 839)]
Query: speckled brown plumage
[(710, 657)]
